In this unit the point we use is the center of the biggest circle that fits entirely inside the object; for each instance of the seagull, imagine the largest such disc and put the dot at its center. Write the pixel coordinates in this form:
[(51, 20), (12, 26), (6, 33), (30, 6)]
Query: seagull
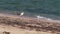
[(22, 13)]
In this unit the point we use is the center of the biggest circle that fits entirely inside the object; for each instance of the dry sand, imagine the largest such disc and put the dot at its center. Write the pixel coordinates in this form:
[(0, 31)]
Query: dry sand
[(15, 30)]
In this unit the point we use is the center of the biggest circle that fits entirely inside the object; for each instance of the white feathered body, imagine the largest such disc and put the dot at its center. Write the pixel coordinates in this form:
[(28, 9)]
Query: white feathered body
[(22, 14)]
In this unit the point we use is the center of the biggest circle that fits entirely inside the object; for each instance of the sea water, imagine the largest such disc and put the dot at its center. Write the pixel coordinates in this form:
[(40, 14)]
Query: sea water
[(46, 8)]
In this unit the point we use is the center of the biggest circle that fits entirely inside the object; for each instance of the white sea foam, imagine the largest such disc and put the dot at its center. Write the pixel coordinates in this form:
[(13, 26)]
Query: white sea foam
[(41, 17), (48, 18)]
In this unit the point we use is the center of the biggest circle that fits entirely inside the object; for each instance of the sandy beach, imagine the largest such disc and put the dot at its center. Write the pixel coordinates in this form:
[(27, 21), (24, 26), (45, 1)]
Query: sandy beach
[(27, 25)]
